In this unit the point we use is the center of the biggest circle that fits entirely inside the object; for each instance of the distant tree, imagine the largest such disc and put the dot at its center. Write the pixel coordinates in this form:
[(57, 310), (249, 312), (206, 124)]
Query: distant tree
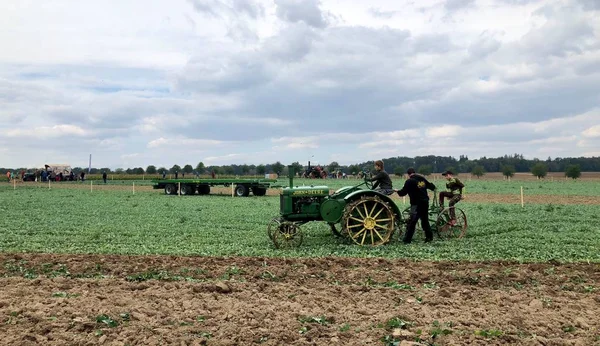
[(162, 170), (175, 168), (138, 170), (573, 171), (105, 169), (478, 171), (452, 169), (119, 171), (277, 167), (151, 169), (260, 169), (200, 167), (188, 169), (228, 169), (129, 171), (332, 167), (353, 169), (245, 169), (425, 169), (399, 171), (508, 171), (297, 167), (540, 170)]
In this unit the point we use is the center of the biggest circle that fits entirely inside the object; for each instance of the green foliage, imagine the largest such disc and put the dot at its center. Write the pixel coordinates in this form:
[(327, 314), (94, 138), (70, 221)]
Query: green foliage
[(573, 171), (539, 170), (188, 169), (174, 169), (508, 171), (399, 171), (425, 170), (150, 223), (200, 167), (277, 167), (478, 171), (333, 166), (260, 169), (151, 169)]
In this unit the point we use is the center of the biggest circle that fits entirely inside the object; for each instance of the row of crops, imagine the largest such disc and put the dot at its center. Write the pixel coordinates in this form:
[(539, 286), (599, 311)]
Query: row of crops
[(75, 221)]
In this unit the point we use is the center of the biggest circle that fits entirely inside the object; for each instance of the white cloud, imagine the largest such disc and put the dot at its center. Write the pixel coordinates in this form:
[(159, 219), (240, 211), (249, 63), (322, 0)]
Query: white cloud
[(287, 80), (592, 132)]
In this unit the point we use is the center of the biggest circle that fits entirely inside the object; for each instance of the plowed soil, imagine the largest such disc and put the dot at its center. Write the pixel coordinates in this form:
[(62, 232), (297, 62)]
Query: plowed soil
[(118, 300)]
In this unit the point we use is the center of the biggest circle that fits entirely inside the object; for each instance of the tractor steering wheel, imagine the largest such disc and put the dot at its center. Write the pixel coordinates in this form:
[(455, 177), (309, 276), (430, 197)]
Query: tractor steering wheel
[(368, 183)]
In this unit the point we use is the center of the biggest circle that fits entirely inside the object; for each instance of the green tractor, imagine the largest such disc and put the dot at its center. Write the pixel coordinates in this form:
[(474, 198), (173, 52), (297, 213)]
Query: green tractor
[(365, 216)]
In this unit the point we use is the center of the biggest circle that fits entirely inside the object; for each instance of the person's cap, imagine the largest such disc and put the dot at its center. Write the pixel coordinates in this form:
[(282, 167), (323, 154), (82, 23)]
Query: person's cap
[(447, 172), (410, 171)]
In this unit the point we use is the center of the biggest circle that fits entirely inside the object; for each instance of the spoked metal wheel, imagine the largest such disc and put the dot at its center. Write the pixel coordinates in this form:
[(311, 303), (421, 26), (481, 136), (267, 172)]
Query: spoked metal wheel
[(273, 226), (287, 235), (369, 221), (451, 227)]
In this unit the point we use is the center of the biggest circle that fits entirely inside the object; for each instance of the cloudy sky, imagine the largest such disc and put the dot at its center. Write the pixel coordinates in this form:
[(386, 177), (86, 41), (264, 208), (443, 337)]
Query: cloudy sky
[(140, 82)]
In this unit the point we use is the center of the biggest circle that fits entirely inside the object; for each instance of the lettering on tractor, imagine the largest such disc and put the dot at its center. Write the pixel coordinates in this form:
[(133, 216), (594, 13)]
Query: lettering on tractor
[(309, 192)]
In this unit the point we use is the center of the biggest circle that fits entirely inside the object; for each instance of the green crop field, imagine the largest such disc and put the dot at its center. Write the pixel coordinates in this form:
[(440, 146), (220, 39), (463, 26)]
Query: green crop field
[(79, 221)]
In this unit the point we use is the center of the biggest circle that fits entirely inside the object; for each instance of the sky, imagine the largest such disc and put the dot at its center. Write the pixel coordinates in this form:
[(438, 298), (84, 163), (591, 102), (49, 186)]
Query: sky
[(152, 82)]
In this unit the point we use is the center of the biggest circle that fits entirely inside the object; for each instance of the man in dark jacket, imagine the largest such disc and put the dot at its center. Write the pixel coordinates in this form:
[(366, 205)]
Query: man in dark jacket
[(416, 187), (383, 183)]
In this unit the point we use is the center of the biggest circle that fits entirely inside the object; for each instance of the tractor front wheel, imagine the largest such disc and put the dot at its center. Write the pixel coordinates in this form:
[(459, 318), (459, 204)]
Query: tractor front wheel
[(369, 221), (287, 235)]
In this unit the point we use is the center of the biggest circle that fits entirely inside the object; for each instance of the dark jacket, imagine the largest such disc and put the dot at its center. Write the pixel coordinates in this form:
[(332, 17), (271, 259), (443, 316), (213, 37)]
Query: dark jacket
[(416, 188), (382, 179)]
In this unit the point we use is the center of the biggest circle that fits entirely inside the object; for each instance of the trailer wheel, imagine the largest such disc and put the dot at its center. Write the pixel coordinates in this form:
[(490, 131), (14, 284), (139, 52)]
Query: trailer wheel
[(170, 189), (242, 190), (187, 190), (203, 189), (259, 191)]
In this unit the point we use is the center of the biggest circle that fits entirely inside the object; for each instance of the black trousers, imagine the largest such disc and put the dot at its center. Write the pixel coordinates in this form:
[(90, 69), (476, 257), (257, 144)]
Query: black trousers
[(418, 212)]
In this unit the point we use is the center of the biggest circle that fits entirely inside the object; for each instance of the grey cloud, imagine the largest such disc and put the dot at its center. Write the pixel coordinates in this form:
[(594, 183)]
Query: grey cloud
[(518, 2), (485, 45), (433, 43), (306, 11), (238, 15), (454, 5), (590, 5)]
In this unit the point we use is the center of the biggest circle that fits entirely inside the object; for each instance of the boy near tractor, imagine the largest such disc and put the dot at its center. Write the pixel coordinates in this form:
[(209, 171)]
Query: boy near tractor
[(454, 193), (382, 180)]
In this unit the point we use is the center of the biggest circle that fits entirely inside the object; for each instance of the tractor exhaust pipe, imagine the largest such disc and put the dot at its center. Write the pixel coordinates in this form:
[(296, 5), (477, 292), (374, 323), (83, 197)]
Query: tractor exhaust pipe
[(291, 173)]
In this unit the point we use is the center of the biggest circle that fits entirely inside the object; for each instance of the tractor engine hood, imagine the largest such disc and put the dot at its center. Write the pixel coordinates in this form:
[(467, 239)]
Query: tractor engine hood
[(306, 191)]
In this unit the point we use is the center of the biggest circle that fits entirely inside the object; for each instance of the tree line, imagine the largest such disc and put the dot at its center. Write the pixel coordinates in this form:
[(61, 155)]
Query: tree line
[(507, 164)]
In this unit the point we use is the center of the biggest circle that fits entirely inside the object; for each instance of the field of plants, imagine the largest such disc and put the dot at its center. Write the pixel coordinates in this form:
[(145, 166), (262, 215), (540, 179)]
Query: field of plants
[(109, 266)]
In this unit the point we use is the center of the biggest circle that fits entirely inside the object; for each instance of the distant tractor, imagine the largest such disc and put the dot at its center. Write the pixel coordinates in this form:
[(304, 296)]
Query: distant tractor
[(316, 172), (364, 216)]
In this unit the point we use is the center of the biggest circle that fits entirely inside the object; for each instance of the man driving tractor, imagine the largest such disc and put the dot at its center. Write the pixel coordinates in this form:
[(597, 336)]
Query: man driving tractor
[(454, 193)]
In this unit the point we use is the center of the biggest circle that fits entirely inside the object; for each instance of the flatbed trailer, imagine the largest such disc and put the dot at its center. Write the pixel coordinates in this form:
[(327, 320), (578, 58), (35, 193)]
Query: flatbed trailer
[(202, 186)]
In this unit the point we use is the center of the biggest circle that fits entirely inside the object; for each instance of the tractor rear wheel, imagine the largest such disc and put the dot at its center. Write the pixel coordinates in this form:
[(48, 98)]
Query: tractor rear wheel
[(242, 190), (259, 191), (187, 190), (171, 189), (203, 189), (369, 221)]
